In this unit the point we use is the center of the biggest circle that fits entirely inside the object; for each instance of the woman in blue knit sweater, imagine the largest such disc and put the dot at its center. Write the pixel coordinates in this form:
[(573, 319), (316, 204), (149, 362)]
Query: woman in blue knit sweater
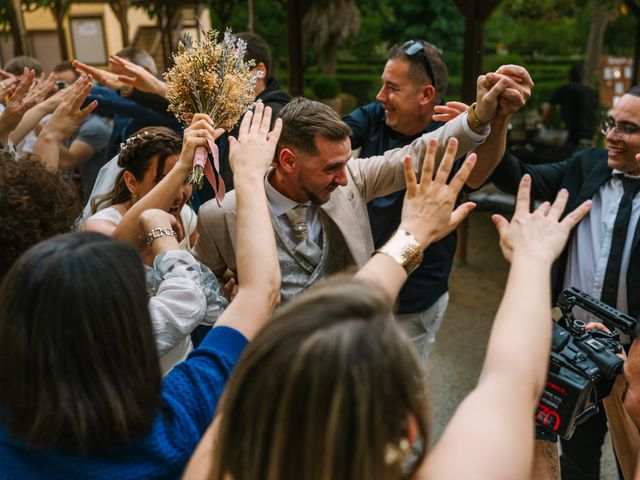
[(81, 393)]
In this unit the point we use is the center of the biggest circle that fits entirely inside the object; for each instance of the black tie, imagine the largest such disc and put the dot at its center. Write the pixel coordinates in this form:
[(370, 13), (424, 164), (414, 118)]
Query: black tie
[(612, 274)]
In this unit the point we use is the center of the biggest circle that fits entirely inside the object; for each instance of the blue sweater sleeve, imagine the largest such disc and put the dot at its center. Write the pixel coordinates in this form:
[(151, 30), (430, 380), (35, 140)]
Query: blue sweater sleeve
[(110, 103), (190, 395)]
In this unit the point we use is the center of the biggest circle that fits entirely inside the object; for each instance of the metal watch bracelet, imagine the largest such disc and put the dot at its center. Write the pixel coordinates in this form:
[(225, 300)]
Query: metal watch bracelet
[(159, 232)]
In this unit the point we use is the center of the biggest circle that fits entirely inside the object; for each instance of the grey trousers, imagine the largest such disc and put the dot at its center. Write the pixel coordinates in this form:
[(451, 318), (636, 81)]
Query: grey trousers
[(422, 327)]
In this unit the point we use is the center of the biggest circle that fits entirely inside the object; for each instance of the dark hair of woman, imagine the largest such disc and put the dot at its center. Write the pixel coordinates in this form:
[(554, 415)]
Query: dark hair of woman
[(325, 390), (135, 156), (78, 361), (35, 205)]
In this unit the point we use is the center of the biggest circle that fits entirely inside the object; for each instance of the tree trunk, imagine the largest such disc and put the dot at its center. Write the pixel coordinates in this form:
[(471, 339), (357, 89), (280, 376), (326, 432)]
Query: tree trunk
[(168, 22), (294, 46), (252, 20), (58, 13), (18, 32), (599, 20), (328, 59), (120, 9)]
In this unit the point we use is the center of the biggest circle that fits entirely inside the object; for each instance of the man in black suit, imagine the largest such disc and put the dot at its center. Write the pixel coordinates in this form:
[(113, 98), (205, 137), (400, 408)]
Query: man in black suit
[(603, 254)]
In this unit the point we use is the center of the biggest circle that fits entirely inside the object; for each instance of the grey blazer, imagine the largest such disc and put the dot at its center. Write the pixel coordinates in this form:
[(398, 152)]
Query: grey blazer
[(368, 178)]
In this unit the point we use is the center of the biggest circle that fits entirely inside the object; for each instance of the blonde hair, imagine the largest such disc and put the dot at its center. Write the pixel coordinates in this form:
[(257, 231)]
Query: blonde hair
[(322, 392)]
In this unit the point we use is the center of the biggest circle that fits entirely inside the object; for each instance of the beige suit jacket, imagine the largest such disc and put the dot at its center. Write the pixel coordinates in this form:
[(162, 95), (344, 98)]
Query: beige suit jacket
[(368, 178)]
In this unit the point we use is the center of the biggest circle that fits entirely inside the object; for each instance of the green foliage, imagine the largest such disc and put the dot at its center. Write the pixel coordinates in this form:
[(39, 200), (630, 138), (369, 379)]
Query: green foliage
[(6, 12), (325, 87), (270, 24), (546, 10), (620, 35), (562, 30)]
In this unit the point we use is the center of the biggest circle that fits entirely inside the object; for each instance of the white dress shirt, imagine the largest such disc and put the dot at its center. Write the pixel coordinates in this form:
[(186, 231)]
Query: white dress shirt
[(280, 205), (589, 249)]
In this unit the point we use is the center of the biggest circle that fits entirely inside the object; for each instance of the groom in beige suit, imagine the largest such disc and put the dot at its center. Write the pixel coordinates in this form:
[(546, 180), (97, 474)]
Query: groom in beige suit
[(318, 193)]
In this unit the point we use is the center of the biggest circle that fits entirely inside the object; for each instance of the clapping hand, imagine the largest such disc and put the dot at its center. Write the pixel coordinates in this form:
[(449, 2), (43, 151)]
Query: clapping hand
[(541, 234)]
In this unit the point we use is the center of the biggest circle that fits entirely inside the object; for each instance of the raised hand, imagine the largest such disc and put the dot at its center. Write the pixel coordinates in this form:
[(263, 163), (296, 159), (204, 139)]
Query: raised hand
[(42, 89), (487, 95), (17, 105), (428, 210), (518, 88), (68, 116), (255, 147), (104, 77), (444, 113), (541, 234), (136, 76), (7, 85)]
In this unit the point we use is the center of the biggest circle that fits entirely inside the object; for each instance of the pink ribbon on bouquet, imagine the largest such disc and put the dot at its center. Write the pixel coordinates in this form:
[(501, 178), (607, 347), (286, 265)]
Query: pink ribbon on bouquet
[(211, 172)]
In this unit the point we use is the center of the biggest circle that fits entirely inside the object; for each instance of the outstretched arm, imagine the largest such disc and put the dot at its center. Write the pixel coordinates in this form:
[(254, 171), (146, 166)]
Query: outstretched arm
[(63, 123), (427, 215), (257, 260), (492, 430), (164, 193)]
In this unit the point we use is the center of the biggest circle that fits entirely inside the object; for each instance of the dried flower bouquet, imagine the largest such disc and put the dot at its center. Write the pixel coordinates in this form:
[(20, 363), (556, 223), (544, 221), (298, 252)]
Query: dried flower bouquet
[(210, 77)]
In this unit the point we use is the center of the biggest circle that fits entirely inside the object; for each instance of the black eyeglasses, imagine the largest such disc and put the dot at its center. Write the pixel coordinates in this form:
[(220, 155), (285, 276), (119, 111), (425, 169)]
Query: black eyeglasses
[(413, 47), (623, 130)]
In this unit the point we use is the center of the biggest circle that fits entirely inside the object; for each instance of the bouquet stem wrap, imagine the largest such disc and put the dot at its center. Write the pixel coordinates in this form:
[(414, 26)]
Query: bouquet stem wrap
[(203, 167)]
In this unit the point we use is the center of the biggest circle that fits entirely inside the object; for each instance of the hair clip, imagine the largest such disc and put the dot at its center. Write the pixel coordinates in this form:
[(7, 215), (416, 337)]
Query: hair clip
[(397, 453), (132, 140)]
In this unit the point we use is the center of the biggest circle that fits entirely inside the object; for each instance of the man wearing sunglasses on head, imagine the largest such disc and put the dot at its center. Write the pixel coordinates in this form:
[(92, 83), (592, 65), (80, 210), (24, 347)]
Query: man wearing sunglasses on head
[(414, 82), (602, 257)]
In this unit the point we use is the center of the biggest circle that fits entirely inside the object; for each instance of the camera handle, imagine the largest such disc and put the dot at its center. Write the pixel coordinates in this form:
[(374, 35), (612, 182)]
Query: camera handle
[(586, 414), (590, 411)]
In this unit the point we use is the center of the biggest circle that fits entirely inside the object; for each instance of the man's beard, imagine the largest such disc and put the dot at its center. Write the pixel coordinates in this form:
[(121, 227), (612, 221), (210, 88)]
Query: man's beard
[(313, 198)]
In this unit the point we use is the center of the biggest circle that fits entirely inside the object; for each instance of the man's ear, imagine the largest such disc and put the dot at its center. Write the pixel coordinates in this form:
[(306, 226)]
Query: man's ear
[(261, 67), (287, 160), (130, 181), (427, 94), (638, 160)]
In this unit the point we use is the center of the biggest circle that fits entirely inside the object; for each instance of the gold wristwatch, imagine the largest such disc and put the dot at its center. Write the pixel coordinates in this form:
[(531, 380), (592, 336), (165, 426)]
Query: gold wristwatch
[(474, 121)]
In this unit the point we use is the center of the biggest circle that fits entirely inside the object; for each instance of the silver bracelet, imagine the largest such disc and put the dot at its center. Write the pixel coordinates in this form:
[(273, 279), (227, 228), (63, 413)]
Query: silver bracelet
[(160, 232)]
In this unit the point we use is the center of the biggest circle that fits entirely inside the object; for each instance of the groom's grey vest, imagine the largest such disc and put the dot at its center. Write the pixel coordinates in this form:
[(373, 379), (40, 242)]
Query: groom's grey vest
[(297, 273)]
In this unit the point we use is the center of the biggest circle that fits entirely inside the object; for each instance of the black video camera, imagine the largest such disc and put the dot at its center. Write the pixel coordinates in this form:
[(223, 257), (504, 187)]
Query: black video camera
[(583, 364)]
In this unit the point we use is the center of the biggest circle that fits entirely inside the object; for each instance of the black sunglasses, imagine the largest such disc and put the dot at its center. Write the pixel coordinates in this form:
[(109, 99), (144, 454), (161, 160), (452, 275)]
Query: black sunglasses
[(413, 47)]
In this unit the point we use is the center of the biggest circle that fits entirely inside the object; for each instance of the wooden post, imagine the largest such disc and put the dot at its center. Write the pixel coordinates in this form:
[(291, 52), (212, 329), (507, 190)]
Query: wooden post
[(475, 14), (294, 45)]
